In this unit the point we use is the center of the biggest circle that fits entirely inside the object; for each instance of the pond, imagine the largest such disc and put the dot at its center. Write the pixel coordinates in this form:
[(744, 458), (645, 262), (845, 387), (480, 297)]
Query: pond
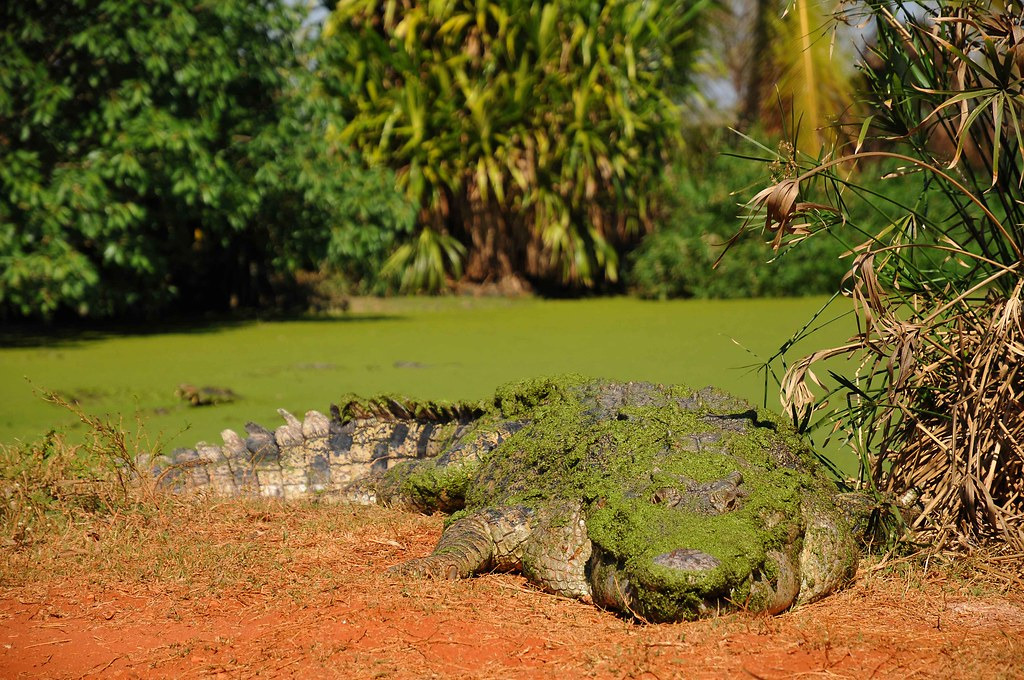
[(432, 348)]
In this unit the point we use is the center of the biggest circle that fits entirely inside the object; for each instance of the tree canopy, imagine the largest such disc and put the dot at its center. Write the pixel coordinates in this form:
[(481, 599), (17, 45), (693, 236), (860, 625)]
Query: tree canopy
[(166, 153)]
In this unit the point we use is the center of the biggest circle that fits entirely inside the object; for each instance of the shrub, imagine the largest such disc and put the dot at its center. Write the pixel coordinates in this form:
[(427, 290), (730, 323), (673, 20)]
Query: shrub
[(678, 259), (933, 407), (47, 484)]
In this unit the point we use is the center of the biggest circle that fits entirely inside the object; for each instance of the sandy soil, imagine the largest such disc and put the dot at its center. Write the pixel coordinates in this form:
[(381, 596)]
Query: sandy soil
[(321, 605)]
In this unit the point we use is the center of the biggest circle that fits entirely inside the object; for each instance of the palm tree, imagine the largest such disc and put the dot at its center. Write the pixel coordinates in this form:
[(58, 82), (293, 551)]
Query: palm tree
[(796, 69), (530, 134)]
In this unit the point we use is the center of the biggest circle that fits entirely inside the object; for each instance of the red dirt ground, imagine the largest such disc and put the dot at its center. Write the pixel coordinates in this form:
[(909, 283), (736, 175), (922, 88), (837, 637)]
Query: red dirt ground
[(324, 607)]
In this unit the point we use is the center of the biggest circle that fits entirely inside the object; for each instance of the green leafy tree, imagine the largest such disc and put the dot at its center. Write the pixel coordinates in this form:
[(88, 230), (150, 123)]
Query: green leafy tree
[(530, 134), (680, 258), (165, 154)]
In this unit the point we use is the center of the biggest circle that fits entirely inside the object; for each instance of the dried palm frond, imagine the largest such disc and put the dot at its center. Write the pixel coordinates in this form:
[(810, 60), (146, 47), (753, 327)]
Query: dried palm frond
[(949, 424)]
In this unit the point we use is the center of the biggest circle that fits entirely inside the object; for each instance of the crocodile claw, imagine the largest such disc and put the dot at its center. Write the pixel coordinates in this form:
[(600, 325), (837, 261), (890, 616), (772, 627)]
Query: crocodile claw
[(440, 567)]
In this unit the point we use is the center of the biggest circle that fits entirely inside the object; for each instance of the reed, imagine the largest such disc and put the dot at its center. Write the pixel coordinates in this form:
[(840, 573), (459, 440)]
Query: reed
[(931, 398)]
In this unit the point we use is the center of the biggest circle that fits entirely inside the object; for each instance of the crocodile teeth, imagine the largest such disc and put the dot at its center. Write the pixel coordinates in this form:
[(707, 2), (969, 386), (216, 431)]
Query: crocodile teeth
[(315, 424)]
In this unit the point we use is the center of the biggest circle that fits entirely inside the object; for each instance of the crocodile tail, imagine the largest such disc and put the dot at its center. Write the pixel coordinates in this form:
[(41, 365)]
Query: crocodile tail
[(335, 458)]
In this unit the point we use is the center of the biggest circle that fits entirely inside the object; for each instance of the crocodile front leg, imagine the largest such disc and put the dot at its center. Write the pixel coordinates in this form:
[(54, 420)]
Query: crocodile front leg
[(555, 557), (489, 540)]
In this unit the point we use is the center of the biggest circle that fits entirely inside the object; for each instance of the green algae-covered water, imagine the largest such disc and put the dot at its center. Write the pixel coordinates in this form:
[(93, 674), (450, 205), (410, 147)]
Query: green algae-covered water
[(432, 348)]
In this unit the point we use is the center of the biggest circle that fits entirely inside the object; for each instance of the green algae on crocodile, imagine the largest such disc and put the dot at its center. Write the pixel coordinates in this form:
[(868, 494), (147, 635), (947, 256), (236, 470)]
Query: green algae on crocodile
[(658, 502)]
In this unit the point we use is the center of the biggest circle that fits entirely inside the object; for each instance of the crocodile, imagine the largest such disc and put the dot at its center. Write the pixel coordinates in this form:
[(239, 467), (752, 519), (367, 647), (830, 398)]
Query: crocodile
[(661, 503)]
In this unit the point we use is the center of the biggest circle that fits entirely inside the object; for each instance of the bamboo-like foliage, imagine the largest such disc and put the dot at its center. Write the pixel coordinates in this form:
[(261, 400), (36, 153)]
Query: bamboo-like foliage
[(933, 401), (530, 133), (816, 87)]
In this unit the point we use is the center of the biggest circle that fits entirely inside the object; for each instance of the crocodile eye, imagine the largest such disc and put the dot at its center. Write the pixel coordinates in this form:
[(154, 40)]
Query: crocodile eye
[(687, 559)]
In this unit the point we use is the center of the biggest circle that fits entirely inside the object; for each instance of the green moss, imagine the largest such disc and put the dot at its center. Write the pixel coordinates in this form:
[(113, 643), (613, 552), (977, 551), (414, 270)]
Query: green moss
[(429, 348), (612, 449), (430, 487), (585, 441)]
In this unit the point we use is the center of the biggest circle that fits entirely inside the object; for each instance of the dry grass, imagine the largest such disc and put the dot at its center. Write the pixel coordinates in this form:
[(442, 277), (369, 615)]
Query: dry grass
[(50, 485), (956, 427), (295, 589), (939, 386)]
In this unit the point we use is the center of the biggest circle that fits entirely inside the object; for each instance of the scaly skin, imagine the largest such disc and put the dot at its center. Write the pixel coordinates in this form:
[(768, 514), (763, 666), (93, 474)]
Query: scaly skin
[(660, 503), (330, 458)]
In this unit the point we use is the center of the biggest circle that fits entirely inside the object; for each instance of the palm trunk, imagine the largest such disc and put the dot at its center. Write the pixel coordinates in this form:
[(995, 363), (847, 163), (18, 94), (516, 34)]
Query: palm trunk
[(753, 95)]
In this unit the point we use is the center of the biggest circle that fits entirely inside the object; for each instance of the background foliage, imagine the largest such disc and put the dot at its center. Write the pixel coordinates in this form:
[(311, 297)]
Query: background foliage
[(706, 193), (160, 155), (529, 134), (170, 156)]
